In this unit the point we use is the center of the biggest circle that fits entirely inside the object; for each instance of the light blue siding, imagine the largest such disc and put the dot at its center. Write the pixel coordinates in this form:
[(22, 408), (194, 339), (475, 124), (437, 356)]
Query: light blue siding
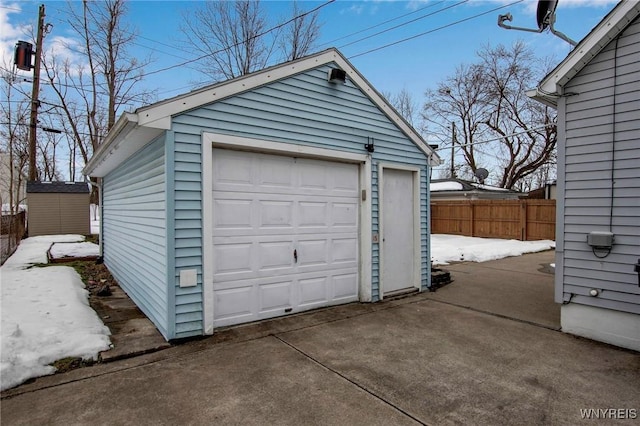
[(601, 151), (187, 221), (303, 109), (135, 231)]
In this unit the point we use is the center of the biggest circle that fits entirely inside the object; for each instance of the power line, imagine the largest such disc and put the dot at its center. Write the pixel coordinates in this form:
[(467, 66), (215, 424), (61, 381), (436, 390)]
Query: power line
[(329, 43), (406, 23), (11, 8), (302, 15), (434, 30)]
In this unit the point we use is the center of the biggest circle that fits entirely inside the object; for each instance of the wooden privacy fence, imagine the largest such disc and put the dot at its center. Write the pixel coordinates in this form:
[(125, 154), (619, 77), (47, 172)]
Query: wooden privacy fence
[(524, 220)]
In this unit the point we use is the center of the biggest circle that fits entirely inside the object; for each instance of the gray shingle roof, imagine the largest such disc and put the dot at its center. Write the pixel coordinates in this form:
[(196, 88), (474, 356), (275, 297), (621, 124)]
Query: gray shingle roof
[(58, 187)]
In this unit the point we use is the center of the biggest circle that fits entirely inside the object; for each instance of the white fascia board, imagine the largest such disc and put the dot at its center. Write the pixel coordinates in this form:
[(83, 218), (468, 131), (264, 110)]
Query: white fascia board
[(125, 123), (160, 111), (125, 139), (206, 95), (606, 31)]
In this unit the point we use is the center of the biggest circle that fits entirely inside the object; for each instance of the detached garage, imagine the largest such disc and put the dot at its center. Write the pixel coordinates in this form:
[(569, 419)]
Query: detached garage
[(288, 189)]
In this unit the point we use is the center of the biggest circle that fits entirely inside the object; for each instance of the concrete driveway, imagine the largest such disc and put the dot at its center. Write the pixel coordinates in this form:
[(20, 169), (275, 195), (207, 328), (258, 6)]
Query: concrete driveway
[(418, 360), (516, 287)]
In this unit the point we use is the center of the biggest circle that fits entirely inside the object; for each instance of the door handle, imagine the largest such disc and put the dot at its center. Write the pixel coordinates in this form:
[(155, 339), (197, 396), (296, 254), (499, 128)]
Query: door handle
[(295, 256)]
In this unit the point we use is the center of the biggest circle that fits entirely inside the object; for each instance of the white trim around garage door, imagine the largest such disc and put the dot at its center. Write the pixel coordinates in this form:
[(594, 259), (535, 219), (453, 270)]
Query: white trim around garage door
[(417, 236), (211, 140)]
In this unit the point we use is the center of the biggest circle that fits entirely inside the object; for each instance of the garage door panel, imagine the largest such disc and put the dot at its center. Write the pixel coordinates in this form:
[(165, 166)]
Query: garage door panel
[(345, 180), (275, 172), (234, 173), (276, 213), (344, 214), (235, 214), (234, 304), (276, 296), (313, 214), (312, 252), (313, 291), (344, 250), (265, 209), (345, 287), (276, 254), (232, 258)]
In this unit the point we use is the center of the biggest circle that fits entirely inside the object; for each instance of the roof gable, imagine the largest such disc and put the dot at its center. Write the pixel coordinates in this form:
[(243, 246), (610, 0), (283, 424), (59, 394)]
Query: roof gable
[(552, 86), (157, 117)]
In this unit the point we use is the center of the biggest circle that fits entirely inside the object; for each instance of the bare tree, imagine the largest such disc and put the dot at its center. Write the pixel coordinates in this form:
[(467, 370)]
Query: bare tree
[(405, 104), (92, 90), (298, 38), (228, 38), (14, 141), (232, 39), (498, 124)]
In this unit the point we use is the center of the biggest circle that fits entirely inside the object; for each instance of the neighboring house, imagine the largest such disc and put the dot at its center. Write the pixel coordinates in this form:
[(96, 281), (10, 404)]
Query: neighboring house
[(288, 189), (596, 91), (458, 189), (547, 192), (12, 185), (58, 208)]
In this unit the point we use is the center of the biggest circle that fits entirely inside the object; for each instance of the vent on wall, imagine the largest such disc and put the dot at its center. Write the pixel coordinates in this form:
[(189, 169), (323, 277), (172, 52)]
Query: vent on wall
[(337, 75)]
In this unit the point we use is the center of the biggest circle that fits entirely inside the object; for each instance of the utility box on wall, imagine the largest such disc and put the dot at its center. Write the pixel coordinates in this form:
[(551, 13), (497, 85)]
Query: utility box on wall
[(58, 208)]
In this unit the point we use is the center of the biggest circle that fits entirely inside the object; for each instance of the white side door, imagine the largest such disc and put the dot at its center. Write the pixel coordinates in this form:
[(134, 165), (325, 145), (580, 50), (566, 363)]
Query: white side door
[(399, 256)]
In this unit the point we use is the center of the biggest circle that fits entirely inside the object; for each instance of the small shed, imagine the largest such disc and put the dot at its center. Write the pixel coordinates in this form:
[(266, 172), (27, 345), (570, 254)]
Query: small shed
[(58, 208), (288, 189)]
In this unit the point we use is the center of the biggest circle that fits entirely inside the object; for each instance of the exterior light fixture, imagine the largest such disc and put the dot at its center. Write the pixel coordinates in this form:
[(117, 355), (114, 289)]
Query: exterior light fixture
[(336, 75), (369, 145)]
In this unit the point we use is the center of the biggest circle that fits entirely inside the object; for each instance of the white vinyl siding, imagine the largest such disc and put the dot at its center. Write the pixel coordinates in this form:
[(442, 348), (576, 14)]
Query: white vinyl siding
[(134, 231), (590, 153)]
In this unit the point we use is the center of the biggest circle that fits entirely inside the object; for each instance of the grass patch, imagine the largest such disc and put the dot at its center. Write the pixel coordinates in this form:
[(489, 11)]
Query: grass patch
[(93, 275), (70, 363)]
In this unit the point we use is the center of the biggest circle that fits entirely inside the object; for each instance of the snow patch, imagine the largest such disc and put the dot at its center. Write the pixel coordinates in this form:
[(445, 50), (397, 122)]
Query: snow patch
[(445, 186), (454, 248), (45, 314), (85, 249)]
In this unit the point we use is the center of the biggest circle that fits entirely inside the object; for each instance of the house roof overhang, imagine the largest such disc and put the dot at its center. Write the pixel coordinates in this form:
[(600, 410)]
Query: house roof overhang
[(551, 88), (134, 130)]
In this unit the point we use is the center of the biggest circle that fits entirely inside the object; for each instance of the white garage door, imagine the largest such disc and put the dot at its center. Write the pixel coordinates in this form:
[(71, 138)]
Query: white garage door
[(285, 235)]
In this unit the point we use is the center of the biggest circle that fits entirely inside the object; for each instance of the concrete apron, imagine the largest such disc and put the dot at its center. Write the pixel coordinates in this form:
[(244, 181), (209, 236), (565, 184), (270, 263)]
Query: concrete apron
[(519, 287), (414, 360)]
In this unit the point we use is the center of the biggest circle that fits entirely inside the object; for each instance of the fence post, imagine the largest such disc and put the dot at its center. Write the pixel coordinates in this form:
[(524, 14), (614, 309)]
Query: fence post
[(523, 220), (472, 218)]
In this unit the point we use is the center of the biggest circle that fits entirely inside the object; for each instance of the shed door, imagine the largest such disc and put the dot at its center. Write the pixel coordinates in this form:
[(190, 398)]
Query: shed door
[(285, 235)]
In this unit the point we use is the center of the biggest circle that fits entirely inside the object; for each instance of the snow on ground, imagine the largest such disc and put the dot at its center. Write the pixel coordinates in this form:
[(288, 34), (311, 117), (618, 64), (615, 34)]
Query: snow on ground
[(94, 215), (45, 313), (95, 227), (454, 248), (84, 249)]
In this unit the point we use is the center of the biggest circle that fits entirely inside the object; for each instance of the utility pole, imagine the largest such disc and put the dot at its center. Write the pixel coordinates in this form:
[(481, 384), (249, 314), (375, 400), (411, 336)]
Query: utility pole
[(35, 103), (453, 143)]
